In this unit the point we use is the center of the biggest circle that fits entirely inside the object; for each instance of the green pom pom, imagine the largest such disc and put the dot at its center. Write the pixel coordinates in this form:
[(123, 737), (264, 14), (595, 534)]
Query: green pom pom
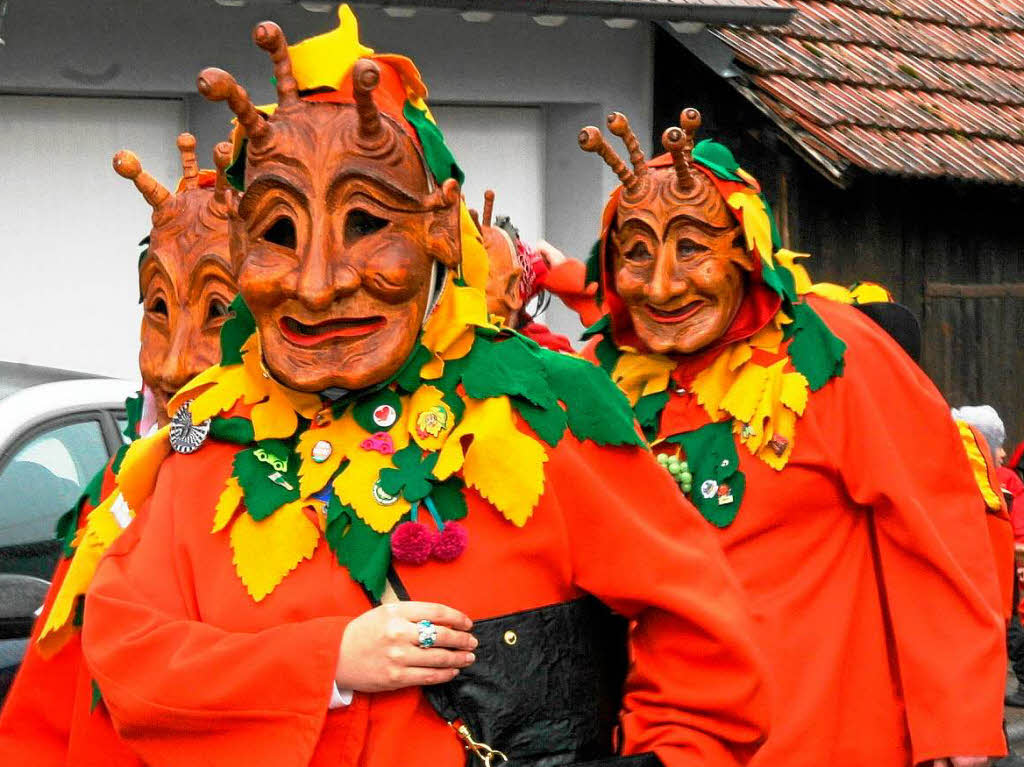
[(663, 458), (685, 476)]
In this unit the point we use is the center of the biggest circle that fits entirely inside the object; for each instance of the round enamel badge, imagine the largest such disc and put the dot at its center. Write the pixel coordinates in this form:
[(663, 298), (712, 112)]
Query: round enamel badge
[(708, 488), (385, 416), (185, 436), (381, 497), (321, 451)]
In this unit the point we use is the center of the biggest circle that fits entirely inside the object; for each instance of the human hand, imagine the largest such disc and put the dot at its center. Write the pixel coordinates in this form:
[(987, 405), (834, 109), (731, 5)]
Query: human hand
[(551, 255), (380, 649), (962, 761)]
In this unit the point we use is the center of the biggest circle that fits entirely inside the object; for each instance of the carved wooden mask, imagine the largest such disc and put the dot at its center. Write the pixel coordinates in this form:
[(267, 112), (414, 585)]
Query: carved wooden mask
[(186, 280), (341, 234), (676, 252), (504, 279)]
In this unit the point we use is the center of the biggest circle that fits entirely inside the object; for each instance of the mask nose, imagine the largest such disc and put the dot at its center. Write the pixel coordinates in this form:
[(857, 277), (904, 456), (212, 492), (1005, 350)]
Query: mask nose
[(664, 285)]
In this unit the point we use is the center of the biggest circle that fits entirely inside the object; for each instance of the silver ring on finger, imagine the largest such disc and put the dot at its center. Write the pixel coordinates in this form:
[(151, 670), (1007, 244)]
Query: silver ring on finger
[(427, 634)]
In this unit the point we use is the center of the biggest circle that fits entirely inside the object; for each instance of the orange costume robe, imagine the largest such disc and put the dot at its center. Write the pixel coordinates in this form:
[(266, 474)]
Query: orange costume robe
[(194, 671), (867, 561), (50, 714)]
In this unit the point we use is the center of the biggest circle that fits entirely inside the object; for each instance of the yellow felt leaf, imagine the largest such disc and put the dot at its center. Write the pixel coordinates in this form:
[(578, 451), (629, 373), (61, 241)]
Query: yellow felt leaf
[(801, 279), (748, 391), (227, 504), (453, 319), (832, 292), (738, 356), (712, 383), (768, 338), (101, 530), (354, 487), (266, 551), (869, 293), (475, 264), (141, 464), (273, 418), (756, 226), (638, 375), (325, 60), (429, 419), (344, 436), (503, 464), (784, 425), (794, 392), (194, 387)]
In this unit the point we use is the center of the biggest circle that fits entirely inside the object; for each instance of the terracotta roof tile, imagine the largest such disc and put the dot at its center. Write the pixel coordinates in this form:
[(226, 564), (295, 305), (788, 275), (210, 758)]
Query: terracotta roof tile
[(914, 87)]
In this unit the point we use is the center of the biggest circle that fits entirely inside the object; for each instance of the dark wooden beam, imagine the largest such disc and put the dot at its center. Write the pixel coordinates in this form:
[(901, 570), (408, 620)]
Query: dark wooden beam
[(974, 290)]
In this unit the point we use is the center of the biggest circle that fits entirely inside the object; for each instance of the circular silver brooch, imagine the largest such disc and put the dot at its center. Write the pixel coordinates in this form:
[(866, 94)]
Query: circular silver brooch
[(186, 437)]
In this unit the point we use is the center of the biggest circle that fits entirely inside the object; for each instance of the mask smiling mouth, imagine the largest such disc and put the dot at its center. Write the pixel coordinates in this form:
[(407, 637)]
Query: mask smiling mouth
[(669, 316), (342, 327)]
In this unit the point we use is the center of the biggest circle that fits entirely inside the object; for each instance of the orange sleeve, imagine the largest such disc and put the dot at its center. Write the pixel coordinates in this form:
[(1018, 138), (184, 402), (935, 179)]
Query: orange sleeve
[(568, 281), (900, 457), (696, 694), (181, 691)]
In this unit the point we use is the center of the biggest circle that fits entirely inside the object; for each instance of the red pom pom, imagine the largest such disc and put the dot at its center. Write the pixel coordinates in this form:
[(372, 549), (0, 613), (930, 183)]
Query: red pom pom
[(451, 542), (412, 542)]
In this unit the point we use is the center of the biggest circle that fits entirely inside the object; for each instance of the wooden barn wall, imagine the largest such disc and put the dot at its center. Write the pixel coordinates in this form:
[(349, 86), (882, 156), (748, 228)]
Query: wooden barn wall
[(904, 234)]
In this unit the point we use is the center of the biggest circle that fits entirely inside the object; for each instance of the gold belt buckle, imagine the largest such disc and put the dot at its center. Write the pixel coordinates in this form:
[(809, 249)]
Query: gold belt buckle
[(482, 751)]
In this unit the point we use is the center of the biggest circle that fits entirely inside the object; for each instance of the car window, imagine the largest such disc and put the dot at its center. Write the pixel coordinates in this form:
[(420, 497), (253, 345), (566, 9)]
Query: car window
[(45, 477)]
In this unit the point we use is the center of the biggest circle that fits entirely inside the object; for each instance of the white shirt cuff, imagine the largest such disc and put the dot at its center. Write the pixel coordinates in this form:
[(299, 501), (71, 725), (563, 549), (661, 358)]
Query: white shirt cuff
[(339, 698)]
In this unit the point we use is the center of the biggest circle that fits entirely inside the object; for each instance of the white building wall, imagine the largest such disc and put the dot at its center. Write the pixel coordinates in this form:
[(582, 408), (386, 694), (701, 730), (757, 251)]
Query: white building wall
[(573, 74)]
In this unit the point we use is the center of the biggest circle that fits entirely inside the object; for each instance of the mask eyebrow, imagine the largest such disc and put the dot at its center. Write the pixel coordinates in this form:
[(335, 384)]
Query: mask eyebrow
[(215, 266), (151, 269), (705, 226), (264, 184), (396, 192)]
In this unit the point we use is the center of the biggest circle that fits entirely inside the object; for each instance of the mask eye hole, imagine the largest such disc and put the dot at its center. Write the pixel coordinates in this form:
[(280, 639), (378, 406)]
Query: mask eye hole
[(218, 310), (281, 232), (158, 306), (359, 223), (638, 253), (687, 248)]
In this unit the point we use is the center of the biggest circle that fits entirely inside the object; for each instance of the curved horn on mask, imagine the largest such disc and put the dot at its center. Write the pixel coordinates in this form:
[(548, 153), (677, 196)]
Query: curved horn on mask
[(217, 85), (127, 165), (679, 143), (591, 140), (619, 125), (488, 206), (269, 36), (221, 159), (365, 79), (189, 166)]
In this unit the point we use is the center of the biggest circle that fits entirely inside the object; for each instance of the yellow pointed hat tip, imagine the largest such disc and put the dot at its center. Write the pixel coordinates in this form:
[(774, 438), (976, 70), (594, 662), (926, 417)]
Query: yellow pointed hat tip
[(324, 61)]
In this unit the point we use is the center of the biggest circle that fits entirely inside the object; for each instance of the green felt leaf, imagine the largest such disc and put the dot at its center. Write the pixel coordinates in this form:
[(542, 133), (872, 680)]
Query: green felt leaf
[(236, 430), (364, 409), (236, 332), (718, 159), (648, 413), (816, 352), (781, 280), (494, 368), (776, 236), (607, 354), (549, 423), (133, 410), (595, 407), (411, 475), (97, 697), (439, 157), (142, 256), (67, 525), (408, 376), (707, 449), (602, 327), (365, 552), (449, 499), (235, 173), (118, 459), (266, 487)]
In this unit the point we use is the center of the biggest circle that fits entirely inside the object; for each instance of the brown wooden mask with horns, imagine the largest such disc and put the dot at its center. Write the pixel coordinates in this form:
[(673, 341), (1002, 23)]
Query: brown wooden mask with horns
[(504, 290), (341, 234), (676, 251), (186, 280)]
